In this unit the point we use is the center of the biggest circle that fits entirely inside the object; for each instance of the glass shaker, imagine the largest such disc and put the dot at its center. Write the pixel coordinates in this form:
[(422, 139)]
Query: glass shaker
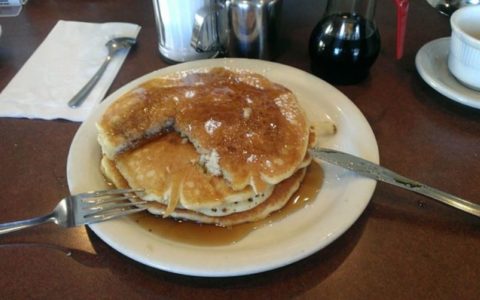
[(346, 42)]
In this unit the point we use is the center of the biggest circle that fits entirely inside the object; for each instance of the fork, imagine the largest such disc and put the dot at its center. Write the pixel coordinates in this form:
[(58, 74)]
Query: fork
[(85, 208)]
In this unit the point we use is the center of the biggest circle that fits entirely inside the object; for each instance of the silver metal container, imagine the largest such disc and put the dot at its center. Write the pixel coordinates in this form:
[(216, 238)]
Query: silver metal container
[(250, 28), (239, 28)]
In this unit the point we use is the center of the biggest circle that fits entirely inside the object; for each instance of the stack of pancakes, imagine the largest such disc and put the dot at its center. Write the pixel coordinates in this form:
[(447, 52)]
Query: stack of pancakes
[(213, 146)]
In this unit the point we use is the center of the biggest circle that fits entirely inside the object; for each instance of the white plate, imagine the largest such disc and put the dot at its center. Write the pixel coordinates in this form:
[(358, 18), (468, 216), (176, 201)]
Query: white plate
[(432, 64), (342, 199)]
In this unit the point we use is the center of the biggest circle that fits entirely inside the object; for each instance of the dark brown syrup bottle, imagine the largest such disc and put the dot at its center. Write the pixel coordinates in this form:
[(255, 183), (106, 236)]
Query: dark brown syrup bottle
[(345, 43)]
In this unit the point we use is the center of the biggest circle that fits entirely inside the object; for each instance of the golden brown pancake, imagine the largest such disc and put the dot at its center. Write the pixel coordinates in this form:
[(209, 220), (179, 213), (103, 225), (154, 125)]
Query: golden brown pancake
[(214, 146), (278, 199), (168, 169), (246, 128)]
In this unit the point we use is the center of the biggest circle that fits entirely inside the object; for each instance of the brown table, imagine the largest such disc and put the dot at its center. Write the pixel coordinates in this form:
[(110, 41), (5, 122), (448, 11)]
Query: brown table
[(404, 246)]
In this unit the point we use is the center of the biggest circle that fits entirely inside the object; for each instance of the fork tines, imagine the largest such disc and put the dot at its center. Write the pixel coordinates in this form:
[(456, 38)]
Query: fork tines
[(109, 192), (103, 205)]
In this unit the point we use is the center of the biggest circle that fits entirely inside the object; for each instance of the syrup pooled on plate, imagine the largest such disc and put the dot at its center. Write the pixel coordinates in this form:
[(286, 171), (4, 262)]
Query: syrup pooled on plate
[(192, 233)]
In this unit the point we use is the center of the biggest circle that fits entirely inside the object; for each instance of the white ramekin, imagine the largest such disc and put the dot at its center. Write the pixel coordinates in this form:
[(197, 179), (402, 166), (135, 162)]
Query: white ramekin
[(464, 56)]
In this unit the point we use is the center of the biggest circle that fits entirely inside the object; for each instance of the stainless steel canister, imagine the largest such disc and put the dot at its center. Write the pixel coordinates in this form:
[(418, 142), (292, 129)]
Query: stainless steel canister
[(244, 28)]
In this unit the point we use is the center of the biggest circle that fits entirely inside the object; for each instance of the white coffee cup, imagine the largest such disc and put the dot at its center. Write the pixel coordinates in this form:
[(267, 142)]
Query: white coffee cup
[(464, 56)]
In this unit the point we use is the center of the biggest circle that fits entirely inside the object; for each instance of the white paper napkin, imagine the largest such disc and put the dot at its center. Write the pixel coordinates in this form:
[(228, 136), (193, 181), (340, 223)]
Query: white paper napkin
[(60, 67)]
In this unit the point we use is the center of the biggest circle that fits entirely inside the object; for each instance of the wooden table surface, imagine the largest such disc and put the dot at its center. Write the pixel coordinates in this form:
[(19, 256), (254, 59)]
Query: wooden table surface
[(404, 246)]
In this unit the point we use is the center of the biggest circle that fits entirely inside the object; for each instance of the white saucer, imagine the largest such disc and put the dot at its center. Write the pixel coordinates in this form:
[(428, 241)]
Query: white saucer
[(431, 62)]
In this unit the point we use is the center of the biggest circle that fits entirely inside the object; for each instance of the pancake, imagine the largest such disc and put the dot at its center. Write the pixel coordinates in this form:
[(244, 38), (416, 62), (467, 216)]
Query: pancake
[(169, 171), (277, 200), (247, 129), (212, 146)]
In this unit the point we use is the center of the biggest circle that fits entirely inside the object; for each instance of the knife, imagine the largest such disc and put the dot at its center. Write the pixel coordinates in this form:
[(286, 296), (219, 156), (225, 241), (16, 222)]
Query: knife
[(371, 170)]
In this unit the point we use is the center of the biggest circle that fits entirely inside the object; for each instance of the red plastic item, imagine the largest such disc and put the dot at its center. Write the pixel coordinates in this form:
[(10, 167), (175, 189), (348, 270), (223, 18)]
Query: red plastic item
[(402, 13)]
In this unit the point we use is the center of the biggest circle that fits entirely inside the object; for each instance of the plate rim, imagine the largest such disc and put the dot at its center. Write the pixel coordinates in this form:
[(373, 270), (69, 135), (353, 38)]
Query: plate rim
[(368, 184)]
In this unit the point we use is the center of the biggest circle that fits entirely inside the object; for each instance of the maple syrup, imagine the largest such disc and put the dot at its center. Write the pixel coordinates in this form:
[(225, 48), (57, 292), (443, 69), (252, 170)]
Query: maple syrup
[(192, 233), (343, 47)]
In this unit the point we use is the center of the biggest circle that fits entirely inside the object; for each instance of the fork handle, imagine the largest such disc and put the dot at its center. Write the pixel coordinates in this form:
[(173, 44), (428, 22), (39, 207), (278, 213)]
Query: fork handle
[(18, 225), (377, 172)]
